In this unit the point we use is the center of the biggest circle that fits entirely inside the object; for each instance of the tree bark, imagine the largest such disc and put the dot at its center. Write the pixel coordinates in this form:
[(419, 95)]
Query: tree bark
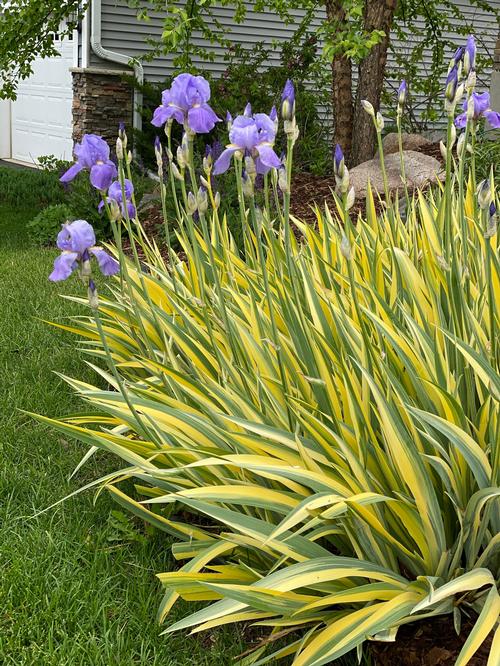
[(378, 15), (342, 98)]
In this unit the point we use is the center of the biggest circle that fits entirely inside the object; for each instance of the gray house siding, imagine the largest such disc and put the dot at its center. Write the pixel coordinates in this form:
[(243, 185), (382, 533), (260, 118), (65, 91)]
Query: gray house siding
[(121, 32)]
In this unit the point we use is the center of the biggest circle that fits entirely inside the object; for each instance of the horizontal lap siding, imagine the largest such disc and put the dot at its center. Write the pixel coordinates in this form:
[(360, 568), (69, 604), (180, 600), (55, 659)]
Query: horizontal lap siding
[(122, 32)]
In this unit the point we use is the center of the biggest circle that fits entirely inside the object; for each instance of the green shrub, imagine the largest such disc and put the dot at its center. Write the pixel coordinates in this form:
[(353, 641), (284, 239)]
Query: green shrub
[(44, 227), (30, 188)]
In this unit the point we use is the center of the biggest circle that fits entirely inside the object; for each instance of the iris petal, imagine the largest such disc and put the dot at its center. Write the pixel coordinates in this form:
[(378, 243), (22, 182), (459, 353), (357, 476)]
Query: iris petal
[(493, 118), (224, 161), (107, 264), (268, 156), (64, 265), (202, 119), (71, 173), (102, 175)]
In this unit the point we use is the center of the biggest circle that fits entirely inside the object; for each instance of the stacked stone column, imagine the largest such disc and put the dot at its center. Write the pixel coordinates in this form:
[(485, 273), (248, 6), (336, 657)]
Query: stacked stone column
[(102, 98)]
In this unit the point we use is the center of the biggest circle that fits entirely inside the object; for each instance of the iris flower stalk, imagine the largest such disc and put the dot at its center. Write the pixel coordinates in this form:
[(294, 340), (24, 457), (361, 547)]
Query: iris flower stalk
[(257, 226), (378, 123), (402, 96), (291, 131), (487, 206)]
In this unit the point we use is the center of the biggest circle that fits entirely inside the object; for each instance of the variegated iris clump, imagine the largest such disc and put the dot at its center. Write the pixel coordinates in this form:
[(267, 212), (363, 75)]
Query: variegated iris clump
[(330, 406)]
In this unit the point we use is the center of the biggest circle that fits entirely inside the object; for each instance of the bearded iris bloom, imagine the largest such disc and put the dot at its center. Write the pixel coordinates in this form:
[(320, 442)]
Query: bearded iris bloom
[(92, 154), (115, 194), (77, 242), (253, 136), (186, 101), (482, 109)]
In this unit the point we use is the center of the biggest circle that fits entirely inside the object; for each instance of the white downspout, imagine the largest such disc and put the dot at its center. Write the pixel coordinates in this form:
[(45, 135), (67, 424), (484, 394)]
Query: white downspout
[(113, 56)]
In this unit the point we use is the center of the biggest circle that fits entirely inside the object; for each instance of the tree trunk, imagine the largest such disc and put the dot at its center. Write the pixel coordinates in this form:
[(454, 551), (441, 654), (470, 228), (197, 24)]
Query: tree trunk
[(378, 15), (342, 102)]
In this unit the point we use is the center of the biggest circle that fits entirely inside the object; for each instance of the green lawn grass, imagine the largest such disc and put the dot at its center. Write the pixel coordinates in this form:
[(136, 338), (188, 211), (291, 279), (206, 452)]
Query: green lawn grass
[(74, 589), (77, 583)]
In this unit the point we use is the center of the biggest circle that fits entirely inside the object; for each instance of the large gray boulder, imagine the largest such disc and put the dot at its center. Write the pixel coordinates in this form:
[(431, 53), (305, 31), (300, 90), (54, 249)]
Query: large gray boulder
[(390, 142), (420, 170)]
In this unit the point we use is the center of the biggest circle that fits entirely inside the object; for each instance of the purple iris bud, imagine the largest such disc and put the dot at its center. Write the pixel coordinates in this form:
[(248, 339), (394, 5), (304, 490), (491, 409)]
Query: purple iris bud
[(254, 137), (92, 154), (186, 101), (115, 194), (482, 109), (248, 110), (288, 101), (274, 114), (402, 92), (458, 55), (470, 55), (121, 129), (339, 161), (493, 209), (451, 84), (77, 242), (208, 150), (157, 143)]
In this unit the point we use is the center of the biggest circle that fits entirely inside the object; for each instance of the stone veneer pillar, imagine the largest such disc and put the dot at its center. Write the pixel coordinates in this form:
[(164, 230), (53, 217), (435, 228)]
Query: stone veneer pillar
[(101, 100)]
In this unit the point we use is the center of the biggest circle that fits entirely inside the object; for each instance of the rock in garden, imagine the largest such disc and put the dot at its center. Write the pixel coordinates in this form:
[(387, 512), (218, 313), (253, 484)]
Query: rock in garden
[(390, 142), (420, 171)]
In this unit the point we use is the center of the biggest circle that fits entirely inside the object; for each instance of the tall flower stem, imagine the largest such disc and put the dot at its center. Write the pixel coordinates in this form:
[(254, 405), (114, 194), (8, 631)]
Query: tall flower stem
[(382, 166), (286, 198), (491, 294), (402, 161), (168, 132), (274, 329), (241, 203), (447, 191)]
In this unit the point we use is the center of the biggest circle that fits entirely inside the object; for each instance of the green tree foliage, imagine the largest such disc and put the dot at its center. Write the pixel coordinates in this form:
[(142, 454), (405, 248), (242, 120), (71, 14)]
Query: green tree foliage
[(27, 28)]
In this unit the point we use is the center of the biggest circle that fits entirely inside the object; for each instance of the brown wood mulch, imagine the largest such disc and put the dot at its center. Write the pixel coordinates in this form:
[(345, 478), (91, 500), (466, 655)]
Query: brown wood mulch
[(308, 190), (431, 642)]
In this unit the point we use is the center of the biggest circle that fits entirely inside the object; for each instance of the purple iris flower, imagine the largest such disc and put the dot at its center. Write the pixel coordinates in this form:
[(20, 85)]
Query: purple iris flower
[(92, 154), (252, 136), (288, 101), (76, 242), (187, 102), (482, 109), (115, 193)]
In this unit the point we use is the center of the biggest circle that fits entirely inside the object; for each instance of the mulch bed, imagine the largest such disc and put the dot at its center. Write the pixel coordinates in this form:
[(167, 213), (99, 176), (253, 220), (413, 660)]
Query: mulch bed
[(308, 190), (428, 643)]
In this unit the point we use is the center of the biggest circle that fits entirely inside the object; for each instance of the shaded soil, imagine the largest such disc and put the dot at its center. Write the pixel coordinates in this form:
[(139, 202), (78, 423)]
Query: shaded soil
[(308, 190), (428, 643)]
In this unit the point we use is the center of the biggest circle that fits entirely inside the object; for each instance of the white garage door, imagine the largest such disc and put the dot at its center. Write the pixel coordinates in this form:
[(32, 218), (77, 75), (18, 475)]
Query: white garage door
[(41, 120)]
